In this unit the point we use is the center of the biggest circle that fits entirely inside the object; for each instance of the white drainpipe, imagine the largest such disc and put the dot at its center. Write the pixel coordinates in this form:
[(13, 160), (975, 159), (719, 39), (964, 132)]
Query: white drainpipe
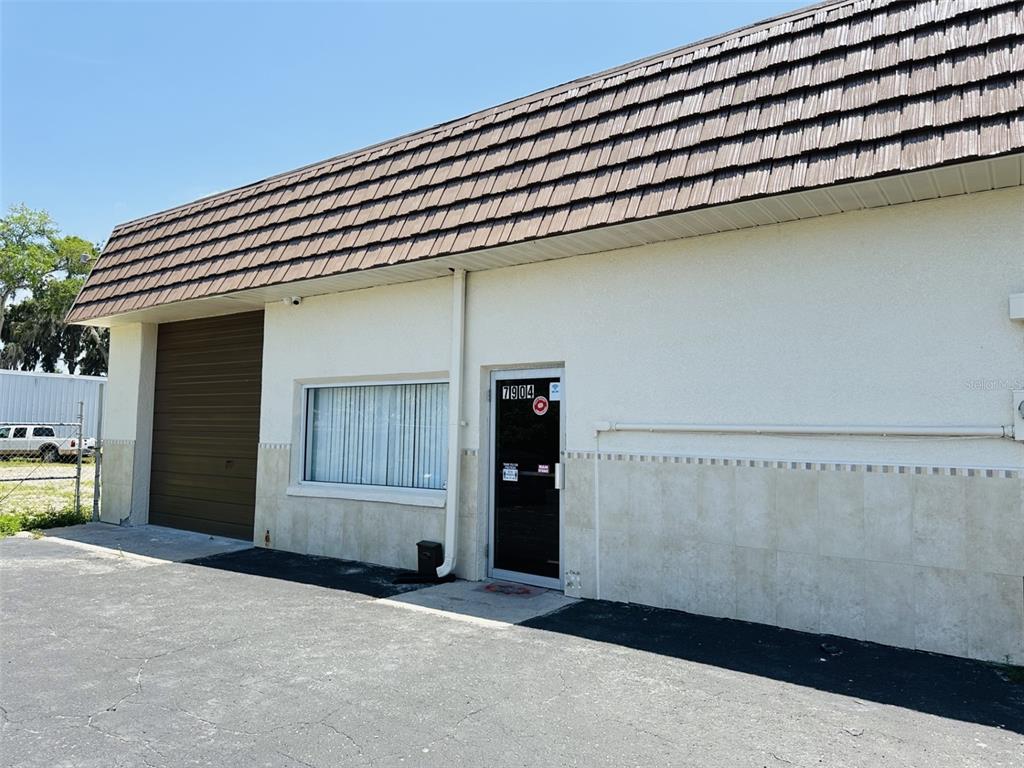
[(451, 517)]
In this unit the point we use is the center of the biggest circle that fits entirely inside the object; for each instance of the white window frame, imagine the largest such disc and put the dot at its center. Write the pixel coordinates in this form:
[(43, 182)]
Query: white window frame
[(415, 497)]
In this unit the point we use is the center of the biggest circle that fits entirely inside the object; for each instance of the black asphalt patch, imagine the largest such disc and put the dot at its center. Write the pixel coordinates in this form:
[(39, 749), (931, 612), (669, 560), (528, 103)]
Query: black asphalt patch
[(950, 687), (329, 572)]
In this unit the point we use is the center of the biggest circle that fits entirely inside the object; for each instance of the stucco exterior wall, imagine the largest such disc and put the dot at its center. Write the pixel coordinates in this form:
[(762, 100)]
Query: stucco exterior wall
[(917, 559), (381, 334), (889, 316), (128, 424), (377, 334), (372, 532)]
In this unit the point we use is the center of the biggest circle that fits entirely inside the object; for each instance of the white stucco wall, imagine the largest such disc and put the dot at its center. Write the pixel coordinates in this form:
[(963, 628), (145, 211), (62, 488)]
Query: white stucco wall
[(891, 316), (128, 424), (398, 332), (128, 402), (379, 333)]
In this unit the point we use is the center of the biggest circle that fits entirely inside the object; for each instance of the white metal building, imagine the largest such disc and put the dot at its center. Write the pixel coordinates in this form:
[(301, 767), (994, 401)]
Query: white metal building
[(30, 396)]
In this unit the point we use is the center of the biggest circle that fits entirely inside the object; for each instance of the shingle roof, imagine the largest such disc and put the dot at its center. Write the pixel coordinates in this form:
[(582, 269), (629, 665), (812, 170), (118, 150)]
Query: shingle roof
[(840, 92)]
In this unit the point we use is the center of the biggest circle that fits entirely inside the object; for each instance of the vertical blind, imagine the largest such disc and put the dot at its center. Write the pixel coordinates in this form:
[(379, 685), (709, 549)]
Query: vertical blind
[(392, 434)]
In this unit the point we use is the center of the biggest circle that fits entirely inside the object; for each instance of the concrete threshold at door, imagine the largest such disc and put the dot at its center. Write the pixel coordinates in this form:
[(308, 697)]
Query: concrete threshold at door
[(466, 601)]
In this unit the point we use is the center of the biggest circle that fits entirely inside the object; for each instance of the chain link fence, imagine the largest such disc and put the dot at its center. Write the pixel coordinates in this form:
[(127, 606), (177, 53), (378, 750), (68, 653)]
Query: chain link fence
[(49, 474)]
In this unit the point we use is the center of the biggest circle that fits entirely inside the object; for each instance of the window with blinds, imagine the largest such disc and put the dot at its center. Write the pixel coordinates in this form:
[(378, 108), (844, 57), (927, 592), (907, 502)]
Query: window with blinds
[(391, 435)]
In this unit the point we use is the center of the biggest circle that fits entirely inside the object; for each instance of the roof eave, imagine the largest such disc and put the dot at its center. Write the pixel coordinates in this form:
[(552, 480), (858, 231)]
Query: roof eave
[(955, 179)]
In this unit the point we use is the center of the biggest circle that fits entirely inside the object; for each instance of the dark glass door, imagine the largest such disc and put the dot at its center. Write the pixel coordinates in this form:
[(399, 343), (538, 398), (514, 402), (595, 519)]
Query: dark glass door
[(527, 436)]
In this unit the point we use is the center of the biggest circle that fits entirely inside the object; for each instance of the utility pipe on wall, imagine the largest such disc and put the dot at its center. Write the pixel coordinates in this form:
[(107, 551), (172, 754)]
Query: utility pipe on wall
[(451, 517), (785, 429)]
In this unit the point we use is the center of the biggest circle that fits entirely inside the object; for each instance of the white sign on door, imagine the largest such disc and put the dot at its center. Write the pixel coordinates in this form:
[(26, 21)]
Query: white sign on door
[(555, 391)]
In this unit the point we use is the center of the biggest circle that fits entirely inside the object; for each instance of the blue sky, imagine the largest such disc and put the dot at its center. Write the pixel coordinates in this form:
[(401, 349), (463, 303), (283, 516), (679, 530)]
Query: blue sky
[(114, 110)]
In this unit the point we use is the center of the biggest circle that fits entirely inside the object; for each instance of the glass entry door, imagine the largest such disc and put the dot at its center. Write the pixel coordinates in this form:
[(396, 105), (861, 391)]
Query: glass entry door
[(526, 476)]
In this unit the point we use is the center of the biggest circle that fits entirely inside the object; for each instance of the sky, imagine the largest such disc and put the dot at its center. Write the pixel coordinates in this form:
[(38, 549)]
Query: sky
[(114, 110)]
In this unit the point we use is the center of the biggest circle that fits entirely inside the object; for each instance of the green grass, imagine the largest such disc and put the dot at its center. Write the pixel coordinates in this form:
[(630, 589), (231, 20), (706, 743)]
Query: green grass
[(30, 506), (29, 462), (15, 522)]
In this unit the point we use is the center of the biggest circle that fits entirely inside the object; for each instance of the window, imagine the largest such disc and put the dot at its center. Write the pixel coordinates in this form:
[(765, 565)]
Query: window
[(5, 432), (42, 431), (20, 431), (392, 435)]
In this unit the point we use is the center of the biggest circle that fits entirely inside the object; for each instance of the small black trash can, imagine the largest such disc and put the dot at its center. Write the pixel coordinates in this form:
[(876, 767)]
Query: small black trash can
[(431, 555)]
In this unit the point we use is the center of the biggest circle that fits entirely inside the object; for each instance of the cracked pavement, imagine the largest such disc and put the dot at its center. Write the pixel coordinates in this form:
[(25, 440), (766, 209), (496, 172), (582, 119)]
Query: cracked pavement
[(113, 661)]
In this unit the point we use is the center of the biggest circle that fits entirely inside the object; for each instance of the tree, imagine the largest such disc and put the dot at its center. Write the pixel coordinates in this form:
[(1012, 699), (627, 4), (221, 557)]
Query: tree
[(96, 345), (26, 252), (35, 334)]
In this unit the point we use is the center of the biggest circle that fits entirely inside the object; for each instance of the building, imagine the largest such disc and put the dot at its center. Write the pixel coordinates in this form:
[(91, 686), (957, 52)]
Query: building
[(32, 396), (735, 329)]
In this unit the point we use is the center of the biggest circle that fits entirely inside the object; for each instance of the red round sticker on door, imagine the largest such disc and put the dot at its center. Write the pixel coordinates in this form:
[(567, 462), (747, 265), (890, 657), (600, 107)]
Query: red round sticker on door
[(540, 405)]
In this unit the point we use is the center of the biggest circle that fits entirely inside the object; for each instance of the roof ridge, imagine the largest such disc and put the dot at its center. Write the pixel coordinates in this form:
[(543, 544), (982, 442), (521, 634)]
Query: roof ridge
[(528, 98)]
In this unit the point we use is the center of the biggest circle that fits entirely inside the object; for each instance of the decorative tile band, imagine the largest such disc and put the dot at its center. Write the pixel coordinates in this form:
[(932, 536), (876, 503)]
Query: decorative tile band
[(721, 461), (827, 466), (287, 446)]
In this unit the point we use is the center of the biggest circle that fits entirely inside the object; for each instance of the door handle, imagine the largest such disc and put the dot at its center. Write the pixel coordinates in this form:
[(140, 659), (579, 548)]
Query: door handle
[(559, 478)]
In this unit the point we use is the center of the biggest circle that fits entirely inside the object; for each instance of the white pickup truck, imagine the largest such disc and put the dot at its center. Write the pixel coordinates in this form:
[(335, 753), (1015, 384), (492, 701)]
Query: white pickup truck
[(40, 441)]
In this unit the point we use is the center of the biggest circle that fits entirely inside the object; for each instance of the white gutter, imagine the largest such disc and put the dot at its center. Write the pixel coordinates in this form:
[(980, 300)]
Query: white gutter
[(786, 429), (451, 512)]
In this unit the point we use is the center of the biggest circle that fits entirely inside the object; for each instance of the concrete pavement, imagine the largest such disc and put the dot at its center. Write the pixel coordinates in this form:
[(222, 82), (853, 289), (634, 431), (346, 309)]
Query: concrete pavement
[(151, 541), (119, 661)]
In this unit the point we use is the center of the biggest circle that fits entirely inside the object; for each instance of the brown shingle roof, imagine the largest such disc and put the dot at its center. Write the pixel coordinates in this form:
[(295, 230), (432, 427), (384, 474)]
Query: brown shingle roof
[(840, 92)]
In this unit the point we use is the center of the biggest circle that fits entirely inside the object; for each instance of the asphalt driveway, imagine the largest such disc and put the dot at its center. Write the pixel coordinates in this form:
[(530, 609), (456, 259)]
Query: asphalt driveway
[(253, 658)]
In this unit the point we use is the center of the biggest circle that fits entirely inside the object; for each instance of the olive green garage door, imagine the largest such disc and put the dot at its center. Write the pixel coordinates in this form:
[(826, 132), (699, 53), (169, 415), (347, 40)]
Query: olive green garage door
[(206, 423)]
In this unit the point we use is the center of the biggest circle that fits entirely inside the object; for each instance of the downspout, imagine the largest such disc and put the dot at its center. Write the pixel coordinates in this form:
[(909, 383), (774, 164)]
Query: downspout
[(451, 510)]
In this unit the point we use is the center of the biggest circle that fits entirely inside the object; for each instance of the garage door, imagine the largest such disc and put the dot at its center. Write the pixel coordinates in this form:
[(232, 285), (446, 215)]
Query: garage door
[(206, 421)]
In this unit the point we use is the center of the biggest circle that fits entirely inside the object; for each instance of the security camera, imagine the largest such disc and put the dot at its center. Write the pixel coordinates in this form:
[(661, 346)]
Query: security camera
[(293, 300)]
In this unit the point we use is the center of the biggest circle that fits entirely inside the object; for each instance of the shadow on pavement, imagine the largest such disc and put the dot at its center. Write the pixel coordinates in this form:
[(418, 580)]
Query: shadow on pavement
[(940, 685), (491, 602), (945, 686), (348, 575)]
